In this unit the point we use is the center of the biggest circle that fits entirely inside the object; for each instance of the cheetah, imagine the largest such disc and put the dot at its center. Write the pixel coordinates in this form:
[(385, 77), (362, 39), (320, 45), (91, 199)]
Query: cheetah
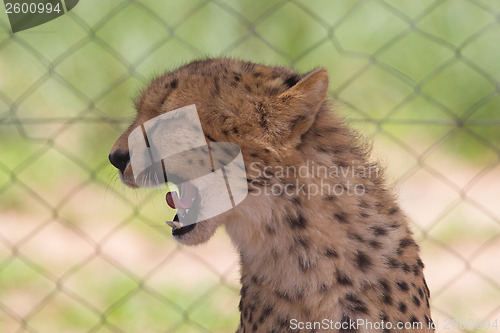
[(322, 242)]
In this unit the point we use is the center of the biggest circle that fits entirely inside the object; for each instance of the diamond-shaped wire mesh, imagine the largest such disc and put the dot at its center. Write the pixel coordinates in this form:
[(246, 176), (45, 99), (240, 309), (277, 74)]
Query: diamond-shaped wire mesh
[(79, 253)]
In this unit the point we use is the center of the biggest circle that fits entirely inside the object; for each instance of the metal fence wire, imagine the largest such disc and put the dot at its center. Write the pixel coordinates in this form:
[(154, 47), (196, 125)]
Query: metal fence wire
[(79, 253)]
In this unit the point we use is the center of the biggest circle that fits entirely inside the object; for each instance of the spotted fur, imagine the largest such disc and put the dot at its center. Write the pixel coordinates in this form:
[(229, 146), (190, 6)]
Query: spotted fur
[(303, 256)]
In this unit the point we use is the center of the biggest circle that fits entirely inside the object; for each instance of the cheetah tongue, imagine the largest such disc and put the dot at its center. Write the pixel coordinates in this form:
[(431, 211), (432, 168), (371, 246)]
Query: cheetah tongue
[(187, 192)]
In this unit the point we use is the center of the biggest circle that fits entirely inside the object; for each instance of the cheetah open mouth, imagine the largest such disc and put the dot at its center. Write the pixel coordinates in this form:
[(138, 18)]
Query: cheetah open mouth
[(187, 204)]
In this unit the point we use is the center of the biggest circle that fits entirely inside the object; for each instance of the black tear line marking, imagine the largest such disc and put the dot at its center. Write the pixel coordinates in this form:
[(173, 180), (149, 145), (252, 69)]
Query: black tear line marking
[(150, 153), (210, 155), (228, 187)]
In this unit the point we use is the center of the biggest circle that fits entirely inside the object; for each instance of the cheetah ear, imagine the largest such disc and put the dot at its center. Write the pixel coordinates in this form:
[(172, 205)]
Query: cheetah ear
[(300, 104)]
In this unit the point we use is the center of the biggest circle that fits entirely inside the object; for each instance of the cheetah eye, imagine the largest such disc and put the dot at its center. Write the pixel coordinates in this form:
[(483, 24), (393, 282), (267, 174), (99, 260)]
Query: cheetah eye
[(210, 138)]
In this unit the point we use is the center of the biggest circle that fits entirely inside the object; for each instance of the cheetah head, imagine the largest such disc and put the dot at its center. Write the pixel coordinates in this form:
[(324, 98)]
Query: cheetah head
[(263, 110)]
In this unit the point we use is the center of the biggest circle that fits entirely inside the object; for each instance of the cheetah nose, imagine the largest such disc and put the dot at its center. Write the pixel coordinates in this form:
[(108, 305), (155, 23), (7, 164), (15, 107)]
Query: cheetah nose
[(119, 159)]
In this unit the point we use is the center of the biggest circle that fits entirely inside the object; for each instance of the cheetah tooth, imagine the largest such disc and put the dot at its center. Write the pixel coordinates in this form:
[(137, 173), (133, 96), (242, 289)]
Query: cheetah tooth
[(174, 224), (177, 224)]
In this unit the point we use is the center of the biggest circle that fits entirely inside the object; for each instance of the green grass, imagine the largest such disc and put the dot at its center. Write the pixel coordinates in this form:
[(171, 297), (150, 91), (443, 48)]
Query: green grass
[(124, 302)]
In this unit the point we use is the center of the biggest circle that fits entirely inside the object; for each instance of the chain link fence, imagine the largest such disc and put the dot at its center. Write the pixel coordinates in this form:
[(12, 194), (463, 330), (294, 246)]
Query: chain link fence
[(79, 253)]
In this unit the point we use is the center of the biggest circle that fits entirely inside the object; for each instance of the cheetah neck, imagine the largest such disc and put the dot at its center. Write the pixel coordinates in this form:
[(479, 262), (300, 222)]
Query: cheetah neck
[(335, 256), (301, 239)]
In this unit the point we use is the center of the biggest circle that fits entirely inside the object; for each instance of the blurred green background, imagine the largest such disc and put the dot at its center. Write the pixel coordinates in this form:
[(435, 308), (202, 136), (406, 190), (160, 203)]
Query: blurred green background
[(80, 253)]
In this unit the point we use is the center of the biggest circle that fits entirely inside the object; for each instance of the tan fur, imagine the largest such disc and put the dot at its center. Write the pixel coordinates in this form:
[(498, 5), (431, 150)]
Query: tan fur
[(303, 256)]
